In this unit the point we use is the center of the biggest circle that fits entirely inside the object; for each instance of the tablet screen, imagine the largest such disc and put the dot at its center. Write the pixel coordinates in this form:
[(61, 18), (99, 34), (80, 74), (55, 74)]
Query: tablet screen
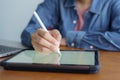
[(67, 57)]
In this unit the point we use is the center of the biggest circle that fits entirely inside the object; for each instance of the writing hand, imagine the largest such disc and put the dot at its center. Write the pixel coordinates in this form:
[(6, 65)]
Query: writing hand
[(46, 41)]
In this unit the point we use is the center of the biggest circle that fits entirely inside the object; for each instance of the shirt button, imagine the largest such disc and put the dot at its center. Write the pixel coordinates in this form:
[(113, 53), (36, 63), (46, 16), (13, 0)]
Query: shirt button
[(91, 47), (74, 21), (72, 44), (74, 8)]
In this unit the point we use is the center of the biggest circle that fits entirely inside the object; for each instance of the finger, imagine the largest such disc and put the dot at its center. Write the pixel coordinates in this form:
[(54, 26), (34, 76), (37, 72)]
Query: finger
[(56, 34), (42, 42), (34, 37), (46, 35), (41, 49)]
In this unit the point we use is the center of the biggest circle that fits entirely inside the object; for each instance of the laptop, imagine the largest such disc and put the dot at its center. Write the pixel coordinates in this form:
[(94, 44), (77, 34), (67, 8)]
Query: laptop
[(8, 50)]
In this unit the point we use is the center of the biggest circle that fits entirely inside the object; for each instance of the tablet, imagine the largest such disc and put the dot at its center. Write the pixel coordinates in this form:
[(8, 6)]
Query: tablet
[(82, 61)]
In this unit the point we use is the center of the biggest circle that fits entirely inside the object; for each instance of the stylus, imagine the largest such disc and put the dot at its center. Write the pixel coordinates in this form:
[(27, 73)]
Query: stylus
[(43, 26)]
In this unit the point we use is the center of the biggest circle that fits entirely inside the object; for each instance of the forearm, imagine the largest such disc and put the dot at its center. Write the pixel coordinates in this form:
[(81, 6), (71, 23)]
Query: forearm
[(94, 40)]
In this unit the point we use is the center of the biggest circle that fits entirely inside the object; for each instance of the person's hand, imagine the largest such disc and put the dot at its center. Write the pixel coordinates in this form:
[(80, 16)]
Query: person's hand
[(46, 42)]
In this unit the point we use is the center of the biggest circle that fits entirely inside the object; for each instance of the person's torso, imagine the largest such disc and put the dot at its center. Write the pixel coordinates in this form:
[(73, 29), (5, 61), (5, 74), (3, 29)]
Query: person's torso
[(97, 18), (63, 15)]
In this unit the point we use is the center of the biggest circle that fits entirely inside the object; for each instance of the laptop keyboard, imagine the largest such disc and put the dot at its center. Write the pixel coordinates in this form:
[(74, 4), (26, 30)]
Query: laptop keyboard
[(6, 50)]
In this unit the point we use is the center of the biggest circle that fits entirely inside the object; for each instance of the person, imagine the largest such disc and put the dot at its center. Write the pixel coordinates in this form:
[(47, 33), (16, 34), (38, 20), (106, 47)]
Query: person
[(87, 24)]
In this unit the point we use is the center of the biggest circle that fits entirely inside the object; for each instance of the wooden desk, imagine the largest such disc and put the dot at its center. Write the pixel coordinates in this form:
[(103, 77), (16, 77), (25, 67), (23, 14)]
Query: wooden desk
[(110, 70)]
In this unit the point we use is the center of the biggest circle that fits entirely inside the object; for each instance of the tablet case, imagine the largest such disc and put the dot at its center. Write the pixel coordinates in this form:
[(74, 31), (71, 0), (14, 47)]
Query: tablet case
[(54, 68)]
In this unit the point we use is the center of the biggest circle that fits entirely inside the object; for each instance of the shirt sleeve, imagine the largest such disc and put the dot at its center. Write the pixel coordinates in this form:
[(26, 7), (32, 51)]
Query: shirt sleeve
[(108, 40), (45, 12)]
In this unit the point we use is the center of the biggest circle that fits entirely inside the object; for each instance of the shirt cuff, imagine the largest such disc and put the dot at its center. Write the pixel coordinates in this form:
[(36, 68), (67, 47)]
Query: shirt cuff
[(74, 38)]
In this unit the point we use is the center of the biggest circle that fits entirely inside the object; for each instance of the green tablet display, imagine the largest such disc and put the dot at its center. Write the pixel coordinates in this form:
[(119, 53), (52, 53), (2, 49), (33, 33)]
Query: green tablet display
[(67, 57)]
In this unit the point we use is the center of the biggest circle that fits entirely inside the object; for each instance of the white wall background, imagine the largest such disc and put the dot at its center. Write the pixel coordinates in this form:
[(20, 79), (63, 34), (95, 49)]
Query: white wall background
[(14, 17)]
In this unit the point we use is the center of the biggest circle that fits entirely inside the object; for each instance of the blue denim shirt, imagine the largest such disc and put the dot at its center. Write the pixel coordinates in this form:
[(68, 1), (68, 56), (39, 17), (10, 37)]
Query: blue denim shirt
[(101, 29)]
